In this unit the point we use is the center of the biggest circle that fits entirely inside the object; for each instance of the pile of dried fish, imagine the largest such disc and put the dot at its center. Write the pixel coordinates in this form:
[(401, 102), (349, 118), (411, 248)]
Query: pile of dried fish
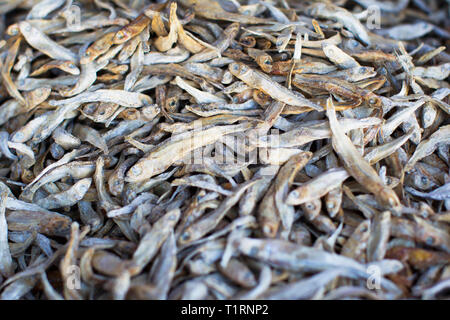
[(226, 149)]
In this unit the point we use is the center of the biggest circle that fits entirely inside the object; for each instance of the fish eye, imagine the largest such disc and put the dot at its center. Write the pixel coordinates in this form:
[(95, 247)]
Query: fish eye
[(429, 240), (354, 43), (424, 180), (364, 229), (373, 101), (235, 67), (185, 236), (172, 103), (267, 62), (254, 251), (119, 35), (136, 170)]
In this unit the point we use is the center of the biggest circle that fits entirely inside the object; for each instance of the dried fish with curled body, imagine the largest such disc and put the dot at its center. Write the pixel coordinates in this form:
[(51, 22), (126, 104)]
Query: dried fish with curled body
[(6, 263), (121, 97), (310, 132), (304, 288), (25, 154), (281, 183), (66, 198), (4, 147), (203, 181), (256, 192), (339, 87), (357, 166), (152, 240), (174, 55), (75, 169), (163, 270), (212, 10), (339, 57), (331, 11), (87, 78), (105, 201), (403, 32), (199, 96), (239, 273), (6, 67), (48, 223), (86, 133), (289, 256), (165, 42), (89, 216), (66, 66), (355, 246), (428, 146), (160, 158), (116, 179)]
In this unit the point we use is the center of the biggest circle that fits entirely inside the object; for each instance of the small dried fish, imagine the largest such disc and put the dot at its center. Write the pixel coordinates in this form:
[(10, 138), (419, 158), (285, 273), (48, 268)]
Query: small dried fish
[(216, 149), (357, 166)]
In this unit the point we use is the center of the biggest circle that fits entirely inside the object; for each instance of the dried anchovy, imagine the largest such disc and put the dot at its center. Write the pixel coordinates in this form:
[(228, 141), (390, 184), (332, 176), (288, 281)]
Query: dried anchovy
[(204, 149)]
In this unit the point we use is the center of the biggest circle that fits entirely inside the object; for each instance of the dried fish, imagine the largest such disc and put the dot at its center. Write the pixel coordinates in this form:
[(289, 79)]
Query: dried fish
[(224, 149)]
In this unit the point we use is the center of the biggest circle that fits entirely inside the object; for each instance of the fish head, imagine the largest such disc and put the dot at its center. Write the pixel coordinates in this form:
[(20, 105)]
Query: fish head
[(238, 69), (70, 67), (121, 36), (373, 100), (25, 26)]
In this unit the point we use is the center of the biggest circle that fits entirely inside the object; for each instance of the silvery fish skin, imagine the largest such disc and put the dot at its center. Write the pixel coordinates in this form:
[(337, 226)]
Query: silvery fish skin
[(66, 198), (361, 170), (210, 149)]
